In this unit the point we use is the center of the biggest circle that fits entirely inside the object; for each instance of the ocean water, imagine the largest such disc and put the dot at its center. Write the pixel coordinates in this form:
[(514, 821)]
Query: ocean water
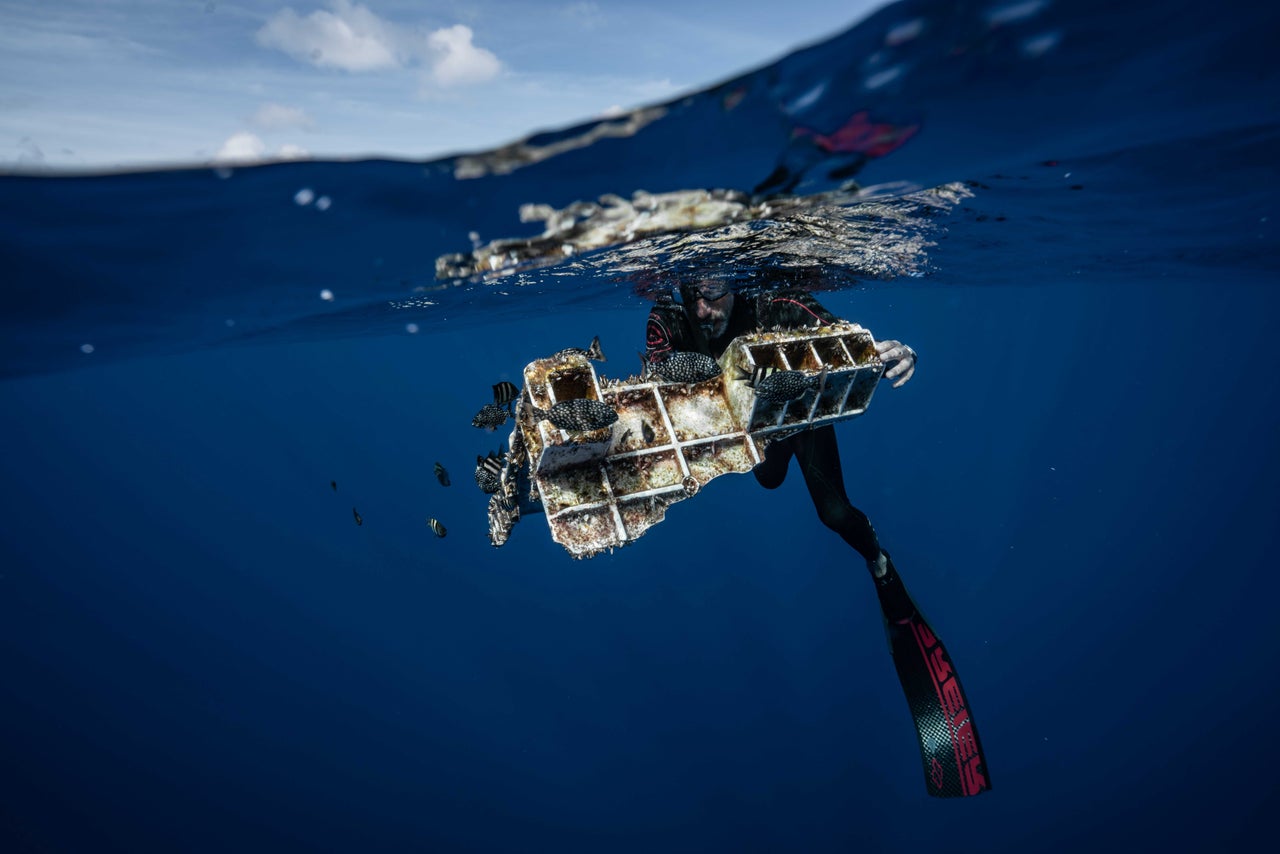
[(1067, 209)]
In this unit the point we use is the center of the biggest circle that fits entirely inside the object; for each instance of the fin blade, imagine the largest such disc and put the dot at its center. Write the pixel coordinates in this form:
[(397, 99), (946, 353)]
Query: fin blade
[(955, 765)]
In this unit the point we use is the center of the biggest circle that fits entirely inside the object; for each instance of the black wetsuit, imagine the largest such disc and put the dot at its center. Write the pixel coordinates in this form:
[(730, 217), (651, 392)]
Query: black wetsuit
[(673, 328), (953, 761)]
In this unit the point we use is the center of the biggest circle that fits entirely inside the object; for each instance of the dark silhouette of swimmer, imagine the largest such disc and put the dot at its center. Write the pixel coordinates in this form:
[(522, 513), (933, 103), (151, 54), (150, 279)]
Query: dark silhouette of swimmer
[(847, 148)]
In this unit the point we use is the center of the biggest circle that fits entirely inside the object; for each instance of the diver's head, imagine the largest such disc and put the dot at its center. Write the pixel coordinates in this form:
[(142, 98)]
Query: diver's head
[(709, 303)]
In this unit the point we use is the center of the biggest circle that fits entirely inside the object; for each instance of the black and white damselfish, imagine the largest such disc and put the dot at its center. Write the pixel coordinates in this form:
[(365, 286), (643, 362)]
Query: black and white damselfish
[(593, 352), (436, 527), (489, 472), (490, 417), (578, 415), (442, 475), (685, 366), (504, 393), (775, 386)]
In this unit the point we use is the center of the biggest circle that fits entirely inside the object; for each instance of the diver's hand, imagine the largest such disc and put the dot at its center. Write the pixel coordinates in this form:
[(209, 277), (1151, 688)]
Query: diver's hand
[(896, 351)]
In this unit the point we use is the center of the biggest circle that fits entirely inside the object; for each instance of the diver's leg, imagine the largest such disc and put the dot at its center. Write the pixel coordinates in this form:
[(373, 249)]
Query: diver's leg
[(953, 762), (819, 458), (772, 470)]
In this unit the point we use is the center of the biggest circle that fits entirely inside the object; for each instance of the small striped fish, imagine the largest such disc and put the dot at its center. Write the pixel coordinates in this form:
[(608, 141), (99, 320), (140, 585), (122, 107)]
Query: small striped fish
[(436, 527), (442, 475), (489, 472), (757, 375), (504, 392), (356, 513)]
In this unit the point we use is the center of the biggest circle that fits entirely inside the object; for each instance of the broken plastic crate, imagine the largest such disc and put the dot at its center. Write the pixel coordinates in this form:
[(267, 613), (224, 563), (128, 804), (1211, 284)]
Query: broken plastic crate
[(604, 488)]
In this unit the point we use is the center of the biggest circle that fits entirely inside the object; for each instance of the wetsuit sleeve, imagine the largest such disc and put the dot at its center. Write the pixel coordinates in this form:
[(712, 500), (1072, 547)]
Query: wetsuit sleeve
[(664, 332)]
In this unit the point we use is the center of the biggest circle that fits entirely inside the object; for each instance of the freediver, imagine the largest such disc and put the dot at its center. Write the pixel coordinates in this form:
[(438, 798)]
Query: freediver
[(704, 317)]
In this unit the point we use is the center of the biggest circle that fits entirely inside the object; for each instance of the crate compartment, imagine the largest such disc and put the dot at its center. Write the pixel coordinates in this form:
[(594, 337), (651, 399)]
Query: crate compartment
[(573, 383), (831, 401), (710, 459), (799, 356), (641, 514), (587, 531), (767, 355), (765, 415), (697, 411), (642, 472), (572, 487), (833, 354), (636, 407), (864, 385)]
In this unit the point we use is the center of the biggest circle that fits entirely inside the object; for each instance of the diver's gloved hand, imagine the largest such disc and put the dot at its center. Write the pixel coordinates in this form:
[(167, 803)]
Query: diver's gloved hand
[(896, 351)]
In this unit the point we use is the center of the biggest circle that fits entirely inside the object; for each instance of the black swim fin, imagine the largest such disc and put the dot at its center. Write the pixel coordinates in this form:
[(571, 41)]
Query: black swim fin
[(954, 764)]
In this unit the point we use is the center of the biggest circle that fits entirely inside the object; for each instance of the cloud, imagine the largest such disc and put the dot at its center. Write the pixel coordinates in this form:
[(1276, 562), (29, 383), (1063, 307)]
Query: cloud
[(352, 38), (279, 117), (242, 147), (245, 148), (454, 59)]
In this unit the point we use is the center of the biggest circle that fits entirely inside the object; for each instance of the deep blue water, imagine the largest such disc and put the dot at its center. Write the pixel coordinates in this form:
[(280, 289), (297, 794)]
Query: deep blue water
[(200, 651)]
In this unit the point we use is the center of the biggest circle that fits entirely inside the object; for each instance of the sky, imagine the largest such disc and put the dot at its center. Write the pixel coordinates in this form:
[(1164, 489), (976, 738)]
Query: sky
[(108, 84)]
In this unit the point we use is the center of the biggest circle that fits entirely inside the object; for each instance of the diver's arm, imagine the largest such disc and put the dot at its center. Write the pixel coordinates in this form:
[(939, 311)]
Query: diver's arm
[(896, 351)]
